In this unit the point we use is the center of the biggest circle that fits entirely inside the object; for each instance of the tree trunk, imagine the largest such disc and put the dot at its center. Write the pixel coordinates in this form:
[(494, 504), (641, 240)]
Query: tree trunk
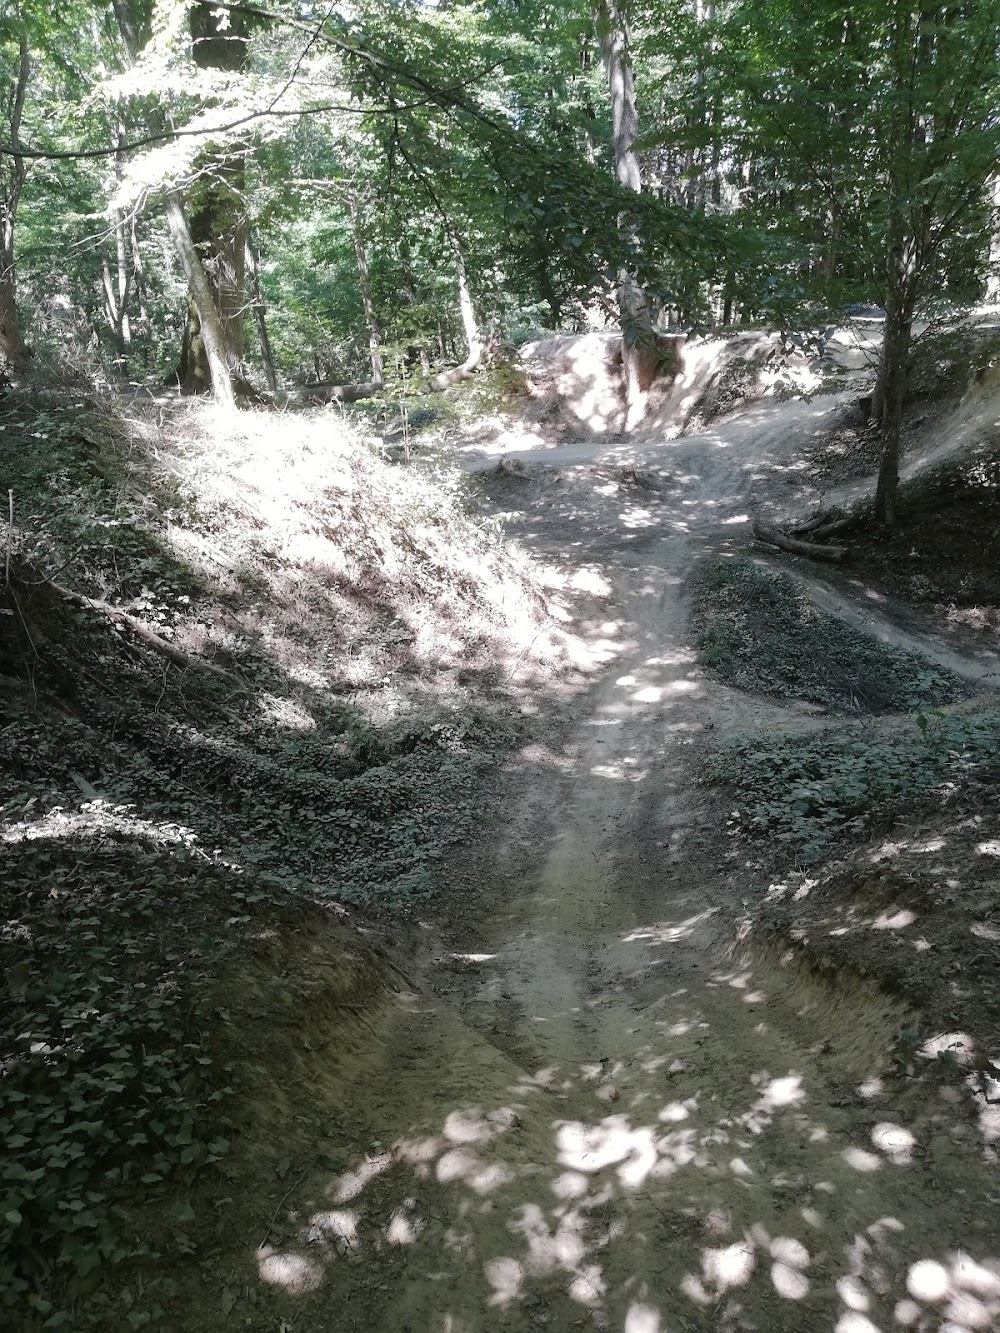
[(11, 343), (891, 394), (260, 317), (202, 305), (218, 222), (200, 297), (639, 355), (218, 232), (473, 337), (361, 254), (14, 173), (117, 286), (993, 278), (124, 281)]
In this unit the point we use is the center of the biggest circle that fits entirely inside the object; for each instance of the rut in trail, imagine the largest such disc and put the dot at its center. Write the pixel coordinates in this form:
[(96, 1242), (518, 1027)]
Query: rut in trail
[(586, 1111)]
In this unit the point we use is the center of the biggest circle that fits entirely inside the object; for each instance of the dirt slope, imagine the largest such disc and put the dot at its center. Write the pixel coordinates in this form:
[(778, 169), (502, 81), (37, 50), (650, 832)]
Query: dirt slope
[(584, 1109)]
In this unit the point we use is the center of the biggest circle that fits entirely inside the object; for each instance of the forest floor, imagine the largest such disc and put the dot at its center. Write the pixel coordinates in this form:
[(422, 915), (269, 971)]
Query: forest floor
[(696, 1029)]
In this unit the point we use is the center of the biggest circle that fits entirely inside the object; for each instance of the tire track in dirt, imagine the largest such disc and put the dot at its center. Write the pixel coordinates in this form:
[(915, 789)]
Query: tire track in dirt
[(589, 1111)]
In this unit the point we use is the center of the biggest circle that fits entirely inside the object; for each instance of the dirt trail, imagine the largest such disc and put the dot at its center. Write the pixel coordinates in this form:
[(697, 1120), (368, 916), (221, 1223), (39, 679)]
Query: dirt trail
[(587, 1112)]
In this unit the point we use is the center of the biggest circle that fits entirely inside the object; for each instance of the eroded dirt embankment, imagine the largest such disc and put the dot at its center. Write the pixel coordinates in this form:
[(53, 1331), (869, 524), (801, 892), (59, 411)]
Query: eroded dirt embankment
[(587, 1107), (589, 1091)]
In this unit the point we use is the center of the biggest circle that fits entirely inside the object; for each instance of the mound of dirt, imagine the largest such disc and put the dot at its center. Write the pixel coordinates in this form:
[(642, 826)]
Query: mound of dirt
[(238, 661), (575, 380), (945, 552), (919, 911), (756, 630), (157, 1005)]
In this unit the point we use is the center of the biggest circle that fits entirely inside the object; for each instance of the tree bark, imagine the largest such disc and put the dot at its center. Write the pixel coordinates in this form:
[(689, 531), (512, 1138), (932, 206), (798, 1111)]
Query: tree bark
[(361, 254), (218, 221), (220, 240), (201, 299), (993, 278), (260, 317), (202, 303), (118, 286), (12, 350), (473, 337), (639, 356)]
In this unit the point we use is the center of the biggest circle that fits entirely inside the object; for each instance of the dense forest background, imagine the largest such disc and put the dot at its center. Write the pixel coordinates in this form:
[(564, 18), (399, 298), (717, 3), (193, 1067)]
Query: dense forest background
[(241, 197)]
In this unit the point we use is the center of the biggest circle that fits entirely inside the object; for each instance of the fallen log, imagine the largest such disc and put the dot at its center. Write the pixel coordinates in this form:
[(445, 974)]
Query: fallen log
[(146, 635), (320, 395), (772, 536), (831, 529), (821, 519)]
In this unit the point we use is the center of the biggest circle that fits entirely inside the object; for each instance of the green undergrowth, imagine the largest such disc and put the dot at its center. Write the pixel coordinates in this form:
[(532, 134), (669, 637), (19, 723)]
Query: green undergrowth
[(110, 1088), (361, 813), (408, 417), (807, 791), (757, 632), (366, 614), (365, 624)]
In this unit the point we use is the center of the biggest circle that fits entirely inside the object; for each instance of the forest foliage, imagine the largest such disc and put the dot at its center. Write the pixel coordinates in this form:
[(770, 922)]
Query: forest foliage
[(241, 197)]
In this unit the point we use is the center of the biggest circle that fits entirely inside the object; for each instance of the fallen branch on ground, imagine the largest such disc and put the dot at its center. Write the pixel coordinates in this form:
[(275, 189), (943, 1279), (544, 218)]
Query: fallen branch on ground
[(763, 532), (145, 634), (821, 533)]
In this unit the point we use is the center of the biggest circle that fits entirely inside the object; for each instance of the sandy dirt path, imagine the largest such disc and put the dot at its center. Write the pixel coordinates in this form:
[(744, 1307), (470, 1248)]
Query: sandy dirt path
[(588, 1109)]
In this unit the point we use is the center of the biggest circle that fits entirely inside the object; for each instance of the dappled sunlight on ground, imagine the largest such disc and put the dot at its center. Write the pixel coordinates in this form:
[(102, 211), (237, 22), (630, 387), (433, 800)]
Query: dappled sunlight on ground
[(591, 1116), (701, 1197)]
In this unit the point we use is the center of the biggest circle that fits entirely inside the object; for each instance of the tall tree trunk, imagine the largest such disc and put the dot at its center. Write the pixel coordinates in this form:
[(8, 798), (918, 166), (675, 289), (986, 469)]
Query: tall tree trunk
[(219, 235), (124, 280), (993, 277), (118, 286), (473, 338), (361, 254), (212, 344), (14, 173), (260, 316), (639, 353), (200, 296), (218, 217), (892, 398), (11, 343), (905, 251)]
